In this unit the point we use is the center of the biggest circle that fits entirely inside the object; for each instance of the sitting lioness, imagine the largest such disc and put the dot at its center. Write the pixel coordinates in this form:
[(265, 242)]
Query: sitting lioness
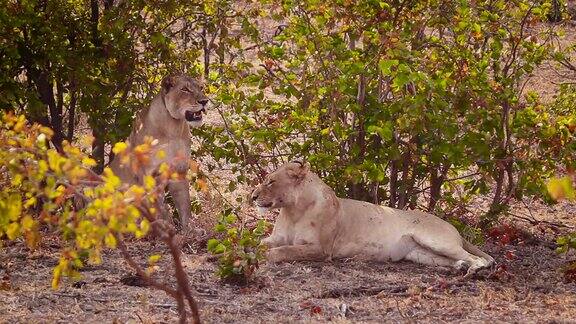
[(177, 107), (314, 224)]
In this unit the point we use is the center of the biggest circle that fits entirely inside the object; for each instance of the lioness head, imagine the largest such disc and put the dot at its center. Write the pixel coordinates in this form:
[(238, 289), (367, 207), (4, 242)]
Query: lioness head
[(184, 98), (280, 188)]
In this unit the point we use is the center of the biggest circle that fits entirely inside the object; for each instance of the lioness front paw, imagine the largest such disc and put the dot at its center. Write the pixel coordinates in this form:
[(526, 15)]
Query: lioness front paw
[(273, 256), (271, 242), (267, 242)]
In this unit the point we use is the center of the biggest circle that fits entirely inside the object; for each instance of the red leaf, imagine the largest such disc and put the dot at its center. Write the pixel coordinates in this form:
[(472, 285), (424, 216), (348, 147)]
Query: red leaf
[(315, 310)]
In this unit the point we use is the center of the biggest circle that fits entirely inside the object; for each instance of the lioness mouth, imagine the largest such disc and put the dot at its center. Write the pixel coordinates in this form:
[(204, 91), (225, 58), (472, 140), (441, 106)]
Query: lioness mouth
[(268, 205), (193, 116)]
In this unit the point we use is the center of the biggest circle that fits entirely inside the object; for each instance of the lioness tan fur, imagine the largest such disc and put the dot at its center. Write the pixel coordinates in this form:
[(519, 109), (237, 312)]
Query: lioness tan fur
[(177, 107), (314, 224)]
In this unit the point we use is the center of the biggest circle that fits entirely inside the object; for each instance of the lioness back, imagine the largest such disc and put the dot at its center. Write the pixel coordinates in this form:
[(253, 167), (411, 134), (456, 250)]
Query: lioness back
[(376, 230)]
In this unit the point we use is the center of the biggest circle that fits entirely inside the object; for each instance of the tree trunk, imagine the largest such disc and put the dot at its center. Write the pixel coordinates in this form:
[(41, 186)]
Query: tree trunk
[(206, 48), (437, 177), (393, 184), (46, 91), (403, 194), (98, 150), (71, 114)]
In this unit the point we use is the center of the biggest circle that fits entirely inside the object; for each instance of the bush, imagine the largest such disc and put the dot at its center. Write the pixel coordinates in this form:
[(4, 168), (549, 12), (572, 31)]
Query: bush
[(67, 63), (238, 248), (561, 188), (390, 105), (42, 186)]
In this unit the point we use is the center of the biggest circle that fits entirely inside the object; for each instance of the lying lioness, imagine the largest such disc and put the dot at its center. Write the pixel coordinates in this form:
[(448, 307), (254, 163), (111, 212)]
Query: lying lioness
[(314, 224), (177, 107)]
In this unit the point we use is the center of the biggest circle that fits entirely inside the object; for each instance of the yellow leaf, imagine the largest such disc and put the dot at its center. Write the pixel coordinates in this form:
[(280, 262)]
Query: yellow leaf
[(164, 168), (77, 173), (131, 227), (54, 161), (13, 230), (560, 188), (71, 151), (88, 192), (113, 222), (149, 182), (133, 212), (107, 203), (47, 131), (110, 241), (154, 258), (160, 154), (144, 228), (20, 124), (135, 192), (112, 182), (57, 272), (17, 180), (88, 162), (119, 147), (30, 202), (27, 223), (42, 167), (145, 225), (14, 207)]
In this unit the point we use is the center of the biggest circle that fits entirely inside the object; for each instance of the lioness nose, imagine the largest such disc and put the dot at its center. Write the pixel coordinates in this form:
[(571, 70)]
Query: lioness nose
[(203, 102)]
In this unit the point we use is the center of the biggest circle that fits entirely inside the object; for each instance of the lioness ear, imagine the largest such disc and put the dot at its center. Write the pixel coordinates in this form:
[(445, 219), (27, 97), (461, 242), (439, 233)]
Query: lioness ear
[(299, 170), (167, 83)]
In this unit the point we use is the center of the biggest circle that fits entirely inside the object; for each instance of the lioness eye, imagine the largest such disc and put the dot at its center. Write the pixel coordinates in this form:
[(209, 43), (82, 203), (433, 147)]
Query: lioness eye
[(186, 90), (270, 182)]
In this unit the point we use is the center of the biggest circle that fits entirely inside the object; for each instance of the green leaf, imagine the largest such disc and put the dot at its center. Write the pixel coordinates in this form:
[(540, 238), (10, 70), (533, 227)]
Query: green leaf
[(220, 248), (231, 219), (386, 66), (212, 243), (385, 130), (220, 228)]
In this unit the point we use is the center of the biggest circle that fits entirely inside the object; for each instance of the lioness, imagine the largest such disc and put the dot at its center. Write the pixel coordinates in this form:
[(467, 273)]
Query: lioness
[(177, 107), (314, 224)]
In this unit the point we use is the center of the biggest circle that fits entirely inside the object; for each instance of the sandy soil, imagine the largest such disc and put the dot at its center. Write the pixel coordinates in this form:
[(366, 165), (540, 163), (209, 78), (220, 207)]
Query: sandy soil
[(525, 286)]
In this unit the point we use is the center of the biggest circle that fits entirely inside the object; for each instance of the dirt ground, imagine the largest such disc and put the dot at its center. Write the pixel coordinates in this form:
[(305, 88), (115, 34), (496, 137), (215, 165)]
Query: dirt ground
[(525, 286)]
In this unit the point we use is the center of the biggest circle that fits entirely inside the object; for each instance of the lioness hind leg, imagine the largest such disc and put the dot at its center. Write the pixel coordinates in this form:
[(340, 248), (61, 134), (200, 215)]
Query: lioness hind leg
[(453, 249), (424, 256)]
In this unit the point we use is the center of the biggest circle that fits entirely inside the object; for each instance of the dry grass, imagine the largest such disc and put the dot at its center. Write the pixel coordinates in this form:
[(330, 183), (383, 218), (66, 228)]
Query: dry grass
[(531, 290)]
